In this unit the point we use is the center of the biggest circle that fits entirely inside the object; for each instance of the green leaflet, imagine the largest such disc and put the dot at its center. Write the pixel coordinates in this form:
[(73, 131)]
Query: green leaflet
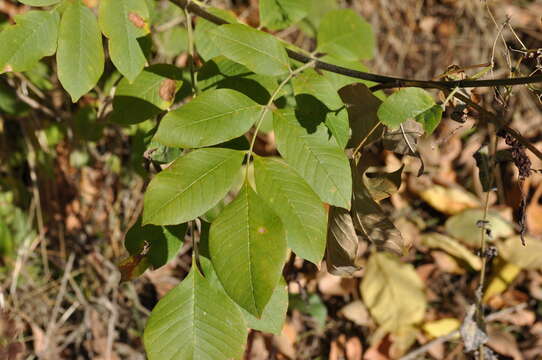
[(211, 118), (279, 14), (122, 22), (193, 184), (33, 37), (346, 35), (39, 2), (298, 206), (195, 321), (410, 103), (221, 72), (203, 34), (259, 51), (80, 56), (315, 156), (248, 247), (274, 315), (152, 92)]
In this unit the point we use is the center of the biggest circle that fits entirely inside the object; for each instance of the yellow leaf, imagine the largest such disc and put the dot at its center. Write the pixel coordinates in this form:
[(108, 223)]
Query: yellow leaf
[(441, 327), (393, 292), (526, 257), (452, 247), (449, 201), (504, 274)]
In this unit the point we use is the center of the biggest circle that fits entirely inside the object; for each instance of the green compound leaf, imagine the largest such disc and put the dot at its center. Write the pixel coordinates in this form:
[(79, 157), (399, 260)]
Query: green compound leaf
[(298, 206), (346, 35), (257, 50), (39, 2), (152, 92), (195, 321), (193, 184), (203, 34), (80, 56), (316, 157), (247, 245), (406, 104), (122, 22), (211, 118), (279, 14), (33, 37)]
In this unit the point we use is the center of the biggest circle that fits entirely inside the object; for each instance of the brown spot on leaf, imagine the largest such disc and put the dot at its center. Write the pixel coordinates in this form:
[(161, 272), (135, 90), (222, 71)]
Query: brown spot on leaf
[(136, 19), (91, 3), (262, 230), (167, 90)]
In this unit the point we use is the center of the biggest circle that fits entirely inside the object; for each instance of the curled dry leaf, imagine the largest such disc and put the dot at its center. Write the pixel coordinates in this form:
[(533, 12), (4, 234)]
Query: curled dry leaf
[(383, 185), (371, 221), (362, 107), (342, 243)]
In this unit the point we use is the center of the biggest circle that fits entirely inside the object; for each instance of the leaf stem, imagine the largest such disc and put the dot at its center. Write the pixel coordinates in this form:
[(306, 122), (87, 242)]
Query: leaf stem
[(358, 148), (265, 110), (191, 50)]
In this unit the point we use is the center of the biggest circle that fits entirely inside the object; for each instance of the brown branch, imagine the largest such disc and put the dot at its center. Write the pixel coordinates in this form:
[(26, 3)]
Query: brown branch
[(387, 82)]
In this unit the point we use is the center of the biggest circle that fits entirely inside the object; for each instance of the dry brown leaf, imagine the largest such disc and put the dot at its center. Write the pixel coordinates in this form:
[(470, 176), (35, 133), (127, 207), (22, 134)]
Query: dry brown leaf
[(336, 286), (286, 340), (534, 213), (447, 263), (371, 221), (362, 106), (354, 349), (357, 313), (504, 343), (342, 243)]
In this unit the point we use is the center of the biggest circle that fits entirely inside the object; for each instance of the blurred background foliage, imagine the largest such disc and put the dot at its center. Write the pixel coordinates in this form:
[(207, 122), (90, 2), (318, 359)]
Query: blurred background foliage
[(72, 178)]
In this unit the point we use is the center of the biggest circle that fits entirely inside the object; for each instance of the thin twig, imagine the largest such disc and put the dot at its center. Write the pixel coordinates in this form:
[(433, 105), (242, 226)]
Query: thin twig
[(394, 82)]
